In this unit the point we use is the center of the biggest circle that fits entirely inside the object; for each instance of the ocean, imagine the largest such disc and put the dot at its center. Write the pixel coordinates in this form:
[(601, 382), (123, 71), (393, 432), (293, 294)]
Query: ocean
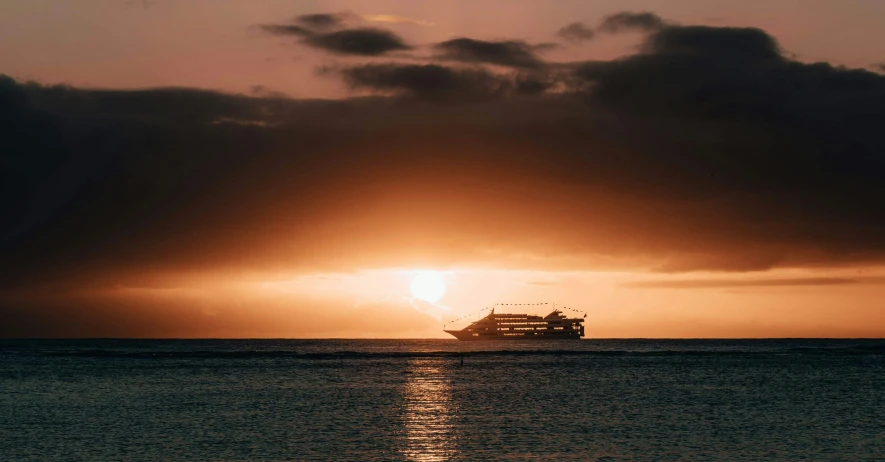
[(368, 400)]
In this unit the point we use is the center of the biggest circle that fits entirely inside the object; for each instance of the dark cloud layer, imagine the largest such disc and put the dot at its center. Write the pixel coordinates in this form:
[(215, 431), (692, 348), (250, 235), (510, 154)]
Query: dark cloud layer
[(322, 20), (717, 43), (441, 83), (427, 81), (576, 32), (706, 150), (512, 53), (364, 41), (623, 21), (612, 24)]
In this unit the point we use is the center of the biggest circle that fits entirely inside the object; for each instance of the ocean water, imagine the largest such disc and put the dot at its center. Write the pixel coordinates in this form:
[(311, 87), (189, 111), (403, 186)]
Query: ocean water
[(368, 400)]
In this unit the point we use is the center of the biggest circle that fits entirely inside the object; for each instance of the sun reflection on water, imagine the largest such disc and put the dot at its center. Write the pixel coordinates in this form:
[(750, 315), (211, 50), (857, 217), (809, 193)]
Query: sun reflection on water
[(428, 412)]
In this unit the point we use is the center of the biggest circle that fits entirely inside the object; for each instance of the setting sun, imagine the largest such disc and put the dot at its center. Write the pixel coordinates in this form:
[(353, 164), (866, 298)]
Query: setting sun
[(428, 286)]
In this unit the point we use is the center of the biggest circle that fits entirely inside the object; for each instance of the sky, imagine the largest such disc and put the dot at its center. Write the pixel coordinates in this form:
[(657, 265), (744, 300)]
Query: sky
[(686, 169)]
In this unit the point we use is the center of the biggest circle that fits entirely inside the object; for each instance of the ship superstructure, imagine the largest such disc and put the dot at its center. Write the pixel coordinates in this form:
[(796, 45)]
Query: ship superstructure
[(501, 326)]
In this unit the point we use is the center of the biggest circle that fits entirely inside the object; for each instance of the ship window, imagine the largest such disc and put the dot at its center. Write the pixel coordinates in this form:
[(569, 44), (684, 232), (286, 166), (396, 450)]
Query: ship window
[(476, 335)]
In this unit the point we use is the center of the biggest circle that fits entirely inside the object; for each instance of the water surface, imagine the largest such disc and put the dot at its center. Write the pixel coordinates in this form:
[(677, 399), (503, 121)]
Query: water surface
[(413, 400)]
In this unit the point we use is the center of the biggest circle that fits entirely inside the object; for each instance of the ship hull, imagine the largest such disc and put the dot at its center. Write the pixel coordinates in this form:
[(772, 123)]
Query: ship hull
[(469, 337)]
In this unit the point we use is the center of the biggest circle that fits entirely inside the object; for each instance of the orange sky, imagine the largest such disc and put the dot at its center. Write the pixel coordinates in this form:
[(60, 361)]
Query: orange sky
[(289, 189)]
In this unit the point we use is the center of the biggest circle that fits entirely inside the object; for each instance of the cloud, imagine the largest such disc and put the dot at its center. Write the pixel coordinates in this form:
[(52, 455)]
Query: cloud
[(715, 42), (311, 24), (394, 19), (615, 23), (626, 20), (324, 20), (754, 282), (358, 41), (427, 81), (511, 53), (576, 32), (441, 83), (364, 41), (730, 71)]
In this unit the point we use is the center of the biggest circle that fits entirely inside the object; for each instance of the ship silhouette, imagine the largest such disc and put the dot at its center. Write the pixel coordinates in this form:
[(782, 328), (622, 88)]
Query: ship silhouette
[(509, 326)]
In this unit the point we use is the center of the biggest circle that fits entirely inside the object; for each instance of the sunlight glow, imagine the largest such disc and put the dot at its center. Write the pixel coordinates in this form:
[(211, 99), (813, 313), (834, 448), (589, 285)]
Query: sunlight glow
[(428, 286)]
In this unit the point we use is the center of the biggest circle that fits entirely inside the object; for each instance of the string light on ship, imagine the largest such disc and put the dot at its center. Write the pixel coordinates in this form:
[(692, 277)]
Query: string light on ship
[(470, 315), (575, 311)]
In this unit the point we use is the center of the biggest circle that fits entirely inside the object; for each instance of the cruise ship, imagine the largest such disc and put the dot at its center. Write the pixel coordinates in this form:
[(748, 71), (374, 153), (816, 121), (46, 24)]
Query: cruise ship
[(501, 326)]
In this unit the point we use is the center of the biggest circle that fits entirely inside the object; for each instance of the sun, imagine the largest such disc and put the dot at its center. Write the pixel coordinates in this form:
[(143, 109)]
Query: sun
[(428, 286)]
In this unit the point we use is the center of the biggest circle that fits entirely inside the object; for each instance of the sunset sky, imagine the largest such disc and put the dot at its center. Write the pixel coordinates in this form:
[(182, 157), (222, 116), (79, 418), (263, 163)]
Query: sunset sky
[(286, 168)]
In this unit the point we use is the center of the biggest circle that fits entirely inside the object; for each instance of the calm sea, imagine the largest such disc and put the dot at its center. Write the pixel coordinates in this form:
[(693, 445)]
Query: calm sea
[(369, 400)]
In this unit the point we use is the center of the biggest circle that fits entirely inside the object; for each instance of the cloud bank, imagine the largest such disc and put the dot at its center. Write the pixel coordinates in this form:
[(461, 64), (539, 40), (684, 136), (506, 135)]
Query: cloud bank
[(746, 160), (707, 149)]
